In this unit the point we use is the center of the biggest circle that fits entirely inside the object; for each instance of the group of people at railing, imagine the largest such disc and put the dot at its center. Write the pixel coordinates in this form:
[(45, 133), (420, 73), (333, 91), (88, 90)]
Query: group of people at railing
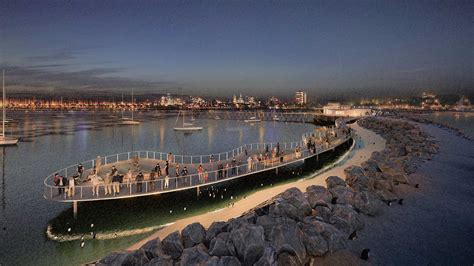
[(113, 181)]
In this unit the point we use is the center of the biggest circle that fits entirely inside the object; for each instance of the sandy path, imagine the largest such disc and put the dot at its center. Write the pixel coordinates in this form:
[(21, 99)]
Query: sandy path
[(365, 145), (435, 225)]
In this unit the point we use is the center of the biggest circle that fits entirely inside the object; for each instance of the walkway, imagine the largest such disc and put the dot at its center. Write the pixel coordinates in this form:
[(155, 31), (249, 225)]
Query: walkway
[(234, 164)]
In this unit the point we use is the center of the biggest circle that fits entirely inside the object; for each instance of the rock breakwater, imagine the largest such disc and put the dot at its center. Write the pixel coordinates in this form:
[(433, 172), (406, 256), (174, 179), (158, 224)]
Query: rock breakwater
[(294, 227)]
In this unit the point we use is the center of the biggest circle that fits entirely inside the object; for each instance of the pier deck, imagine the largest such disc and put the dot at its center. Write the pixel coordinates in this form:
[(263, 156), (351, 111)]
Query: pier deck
[(145, 161)]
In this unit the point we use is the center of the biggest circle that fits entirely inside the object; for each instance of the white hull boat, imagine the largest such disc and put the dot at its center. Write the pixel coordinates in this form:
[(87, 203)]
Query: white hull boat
[(188, 128), (252, 119), (128, 121), (5, 141)]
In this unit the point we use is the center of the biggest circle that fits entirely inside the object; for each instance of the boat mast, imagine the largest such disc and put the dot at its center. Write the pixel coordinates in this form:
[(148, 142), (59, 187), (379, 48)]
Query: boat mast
[(3, 104), (133, 104)]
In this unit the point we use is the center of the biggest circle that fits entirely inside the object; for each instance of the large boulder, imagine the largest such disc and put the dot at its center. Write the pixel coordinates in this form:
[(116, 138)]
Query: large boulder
[(335, 239), (356, 178), (288, 236), (268, 258), (334, 181), (322, 213), (221, 246), (249, 242), (291, 204), (267, 222), (314, 242), (343, 195), (287, 257), (346, 219), (195, 255), (154, 249), (317, 195), (173, 245), (367, 203), (193, 234), (215, 229)]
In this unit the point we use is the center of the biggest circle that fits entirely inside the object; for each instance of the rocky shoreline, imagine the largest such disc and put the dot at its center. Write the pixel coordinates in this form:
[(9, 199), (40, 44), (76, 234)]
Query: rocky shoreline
[(294, 228)]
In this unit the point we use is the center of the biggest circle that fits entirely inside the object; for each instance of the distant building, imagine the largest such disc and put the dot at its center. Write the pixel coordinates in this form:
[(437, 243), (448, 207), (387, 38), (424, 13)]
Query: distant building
[(336, 109), (430, 101), (301, 98), (463, 104)]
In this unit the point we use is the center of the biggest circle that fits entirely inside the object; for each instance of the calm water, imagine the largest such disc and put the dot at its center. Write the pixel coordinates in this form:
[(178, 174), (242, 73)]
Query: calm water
[(461, 120), (49, 143)]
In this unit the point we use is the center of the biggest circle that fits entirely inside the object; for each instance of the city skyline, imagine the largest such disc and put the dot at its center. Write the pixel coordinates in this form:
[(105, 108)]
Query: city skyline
[(226, 48)]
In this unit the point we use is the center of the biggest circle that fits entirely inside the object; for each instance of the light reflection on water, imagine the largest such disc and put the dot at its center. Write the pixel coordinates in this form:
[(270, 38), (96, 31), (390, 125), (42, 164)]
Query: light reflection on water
[(50, 143)]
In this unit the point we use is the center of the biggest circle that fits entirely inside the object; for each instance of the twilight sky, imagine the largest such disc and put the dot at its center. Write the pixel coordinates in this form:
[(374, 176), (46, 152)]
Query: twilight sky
[(225, 47)]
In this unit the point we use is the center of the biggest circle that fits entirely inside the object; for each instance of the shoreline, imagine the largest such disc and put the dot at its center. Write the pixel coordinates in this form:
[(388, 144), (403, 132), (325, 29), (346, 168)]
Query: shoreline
[(435, 223), (371, 142)]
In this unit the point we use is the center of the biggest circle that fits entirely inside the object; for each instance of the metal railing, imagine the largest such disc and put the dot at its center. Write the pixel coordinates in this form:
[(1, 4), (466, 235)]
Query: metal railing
[(163, 184)]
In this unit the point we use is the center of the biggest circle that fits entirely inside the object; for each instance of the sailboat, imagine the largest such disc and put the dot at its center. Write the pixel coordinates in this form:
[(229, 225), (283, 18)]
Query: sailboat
[(4, 140), (186, 126), (130, 121), (252, 119)]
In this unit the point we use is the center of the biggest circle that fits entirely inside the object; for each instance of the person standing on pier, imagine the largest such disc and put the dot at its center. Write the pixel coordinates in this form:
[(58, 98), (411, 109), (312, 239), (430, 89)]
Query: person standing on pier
[(152, 180), (128, 179), (116, 183), (184, 173), (64, 183), (167, 181), (140, 179), (206, 176), (220, 168), (56, 182), (234, 165), (158, 169), (249, 164), (95, 185), (108, 184), (226, 170), (71, 189), (167, 168), (200, 171), (177, 170), (80, 170)]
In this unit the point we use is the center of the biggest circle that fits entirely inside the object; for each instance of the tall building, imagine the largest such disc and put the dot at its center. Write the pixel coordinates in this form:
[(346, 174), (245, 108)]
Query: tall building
[(300, 97)]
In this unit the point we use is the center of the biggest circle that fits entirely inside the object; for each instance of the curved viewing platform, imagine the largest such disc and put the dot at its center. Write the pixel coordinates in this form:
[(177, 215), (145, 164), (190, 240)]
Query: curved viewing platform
[(216, 168)]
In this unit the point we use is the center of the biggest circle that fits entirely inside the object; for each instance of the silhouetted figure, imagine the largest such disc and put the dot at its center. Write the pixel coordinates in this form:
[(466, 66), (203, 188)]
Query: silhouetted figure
[(365, 254)]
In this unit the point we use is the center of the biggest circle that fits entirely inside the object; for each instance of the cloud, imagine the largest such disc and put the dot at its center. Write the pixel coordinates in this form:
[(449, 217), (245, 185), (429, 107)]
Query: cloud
[(61, 55), (40, 78)]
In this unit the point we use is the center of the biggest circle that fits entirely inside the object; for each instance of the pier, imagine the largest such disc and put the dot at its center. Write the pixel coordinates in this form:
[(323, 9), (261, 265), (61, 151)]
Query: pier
[(242, 161)]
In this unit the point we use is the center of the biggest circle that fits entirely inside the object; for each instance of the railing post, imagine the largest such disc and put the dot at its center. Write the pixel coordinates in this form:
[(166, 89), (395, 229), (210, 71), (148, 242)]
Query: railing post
[(128, 156), (105, 160), (146, 187)]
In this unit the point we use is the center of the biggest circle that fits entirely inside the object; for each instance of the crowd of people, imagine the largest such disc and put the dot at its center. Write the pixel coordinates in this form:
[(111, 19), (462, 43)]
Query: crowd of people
[(160, 176)]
